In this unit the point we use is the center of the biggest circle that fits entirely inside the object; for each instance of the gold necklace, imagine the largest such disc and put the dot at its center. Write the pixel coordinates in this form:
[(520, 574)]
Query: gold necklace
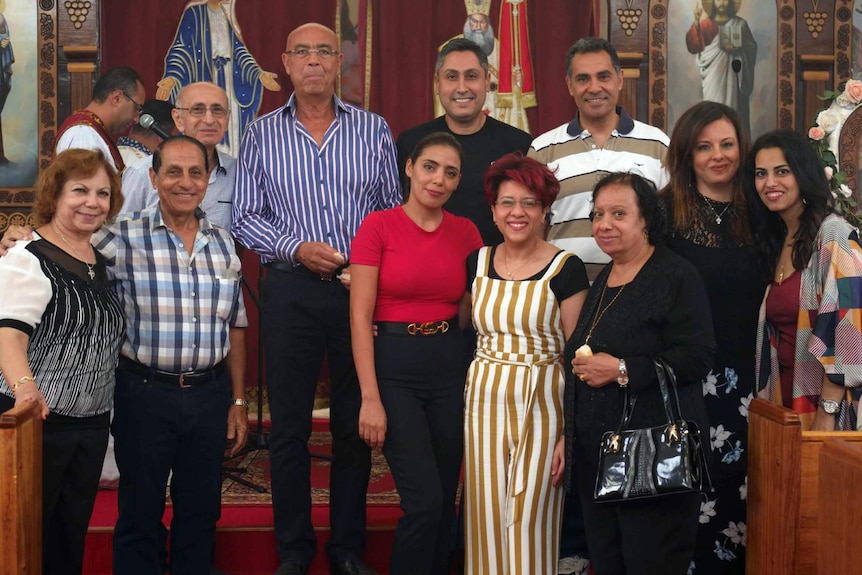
[(602, 311), (522, 266), (781, 271), (90, 271)]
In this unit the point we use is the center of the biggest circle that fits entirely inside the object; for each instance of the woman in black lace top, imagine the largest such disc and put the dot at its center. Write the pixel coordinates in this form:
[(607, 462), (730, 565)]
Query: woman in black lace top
[(648, 303), (707, 224)]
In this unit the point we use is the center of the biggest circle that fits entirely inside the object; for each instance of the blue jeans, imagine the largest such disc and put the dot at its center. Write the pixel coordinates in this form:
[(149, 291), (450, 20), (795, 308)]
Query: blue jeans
[(158, 429)]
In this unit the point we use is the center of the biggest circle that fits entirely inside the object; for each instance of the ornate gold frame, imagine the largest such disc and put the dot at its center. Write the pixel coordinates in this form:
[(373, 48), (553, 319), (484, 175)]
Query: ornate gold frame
[(15, 202)]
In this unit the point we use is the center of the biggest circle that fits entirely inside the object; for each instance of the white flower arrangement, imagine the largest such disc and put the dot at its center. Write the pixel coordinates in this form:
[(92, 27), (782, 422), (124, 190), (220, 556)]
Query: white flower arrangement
[(824, 136)]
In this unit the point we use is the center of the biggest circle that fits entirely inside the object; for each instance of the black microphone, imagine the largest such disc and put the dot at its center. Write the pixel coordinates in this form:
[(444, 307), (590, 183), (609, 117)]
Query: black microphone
[(148, 122), (736, 65)]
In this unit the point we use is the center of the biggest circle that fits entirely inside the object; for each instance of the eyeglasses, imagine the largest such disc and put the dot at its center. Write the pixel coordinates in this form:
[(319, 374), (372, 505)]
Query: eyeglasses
[(138, 107), (526, 203), (199, 111), (305, 53)]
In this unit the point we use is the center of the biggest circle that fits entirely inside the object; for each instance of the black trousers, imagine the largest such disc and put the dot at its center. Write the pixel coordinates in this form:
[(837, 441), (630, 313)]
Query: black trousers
[(421, 381), (304, 319), (647, 537), (73, 450)]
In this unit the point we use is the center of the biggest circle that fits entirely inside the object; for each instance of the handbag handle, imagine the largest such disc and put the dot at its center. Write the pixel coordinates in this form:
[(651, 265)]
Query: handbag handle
[(667, 383)]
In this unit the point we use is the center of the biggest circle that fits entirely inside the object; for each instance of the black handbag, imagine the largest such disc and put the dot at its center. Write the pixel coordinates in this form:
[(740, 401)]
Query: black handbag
[(655, 461)]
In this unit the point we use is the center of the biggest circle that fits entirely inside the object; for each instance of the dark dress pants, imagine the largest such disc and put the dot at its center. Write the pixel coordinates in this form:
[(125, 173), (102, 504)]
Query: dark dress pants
[(73, 450), (421, 383), (158, 429), (647, 537), (303, 319)]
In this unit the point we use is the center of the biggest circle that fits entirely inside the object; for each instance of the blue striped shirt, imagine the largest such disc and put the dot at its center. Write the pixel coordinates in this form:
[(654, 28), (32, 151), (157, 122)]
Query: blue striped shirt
[(178, 306), (290, 191)]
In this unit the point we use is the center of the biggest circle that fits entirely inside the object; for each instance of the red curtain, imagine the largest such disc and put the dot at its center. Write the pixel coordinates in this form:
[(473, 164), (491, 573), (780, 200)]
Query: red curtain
[(406, 37)]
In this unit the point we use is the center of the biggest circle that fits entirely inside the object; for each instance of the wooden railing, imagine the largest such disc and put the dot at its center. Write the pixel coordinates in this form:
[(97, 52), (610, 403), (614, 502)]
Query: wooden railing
[(21, 491), (840, 508), (783, 491)]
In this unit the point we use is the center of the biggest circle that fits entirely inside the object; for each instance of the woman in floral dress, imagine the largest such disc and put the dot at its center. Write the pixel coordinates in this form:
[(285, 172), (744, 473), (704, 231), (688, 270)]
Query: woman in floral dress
[(708, 225)]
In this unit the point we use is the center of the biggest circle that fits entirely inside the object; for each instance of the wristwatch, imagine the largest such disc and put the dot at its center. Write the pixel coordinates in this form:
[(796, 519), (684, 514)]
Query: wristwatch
[(623, 377), (242, 402), (830, 406)]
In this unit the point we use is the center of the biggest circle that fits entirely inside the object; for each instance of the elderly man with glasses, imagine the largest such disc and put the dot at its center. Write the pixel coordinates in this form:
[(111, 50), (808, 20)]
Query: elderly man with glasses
[(202, 112), (116, 105), (308, 173)]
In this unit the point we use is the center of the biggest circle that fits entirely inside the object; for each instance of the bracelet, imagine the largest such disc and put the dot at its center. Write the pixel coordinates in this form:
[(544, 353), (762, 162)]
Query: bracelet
[(22, 381), (242, 402)]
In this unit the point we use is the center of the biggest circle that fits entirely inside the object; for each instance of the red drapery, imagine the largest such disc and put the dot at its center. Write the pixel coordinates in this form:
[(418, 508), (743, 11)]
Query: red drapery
[(406, 36)]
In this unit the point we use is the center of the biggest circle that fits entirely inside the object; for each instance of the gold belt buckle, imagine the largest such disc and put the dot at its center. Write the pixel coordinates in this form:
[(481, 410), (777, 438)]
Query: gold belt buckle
[(428, 328)]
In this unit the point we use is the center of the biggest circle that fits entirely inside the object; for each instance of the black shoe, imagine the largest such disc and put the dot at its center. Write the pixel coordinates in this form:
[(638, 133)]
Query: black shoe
[(350, 566), (292, 568)]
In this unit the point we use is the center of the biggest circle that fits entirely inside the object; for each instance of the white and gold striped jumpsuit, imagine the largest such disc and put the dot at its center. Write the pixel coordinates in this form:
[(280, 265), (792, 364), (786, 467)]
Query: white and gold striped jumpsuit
[(513, 418)]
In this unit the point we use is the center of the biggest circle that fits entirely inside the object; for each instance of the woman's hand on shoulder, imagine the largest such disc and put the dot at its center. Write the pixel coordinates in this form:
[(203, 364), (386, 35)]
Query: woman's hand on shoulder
[(372, 422), (597, 370)]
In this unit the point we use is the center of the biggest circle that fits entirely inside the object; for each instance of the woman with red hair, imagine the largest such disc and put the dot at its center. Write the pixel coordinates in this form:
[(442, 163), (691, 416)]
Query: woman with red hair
[(526, 295)]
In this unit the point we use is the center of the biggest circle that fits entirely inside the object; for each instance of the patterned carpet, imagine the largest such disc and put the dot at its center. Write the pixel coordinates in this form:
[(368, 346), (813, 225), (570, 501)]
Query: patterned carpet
[(381, 489)]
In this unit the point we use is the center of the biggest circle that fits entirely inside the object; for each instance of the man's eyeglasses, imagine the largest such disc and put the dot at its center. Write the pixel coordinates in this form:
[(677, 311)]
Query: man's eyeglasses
[(138, 107), (305, 53), (526, 203), (199, 111)]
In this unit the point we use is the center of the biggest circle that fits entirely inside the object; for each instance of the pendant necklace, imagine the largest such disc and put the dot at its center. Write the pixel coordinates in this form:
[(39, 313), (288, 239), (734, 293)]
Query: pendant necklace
[(90, 271), (711, 207), (522, 266)]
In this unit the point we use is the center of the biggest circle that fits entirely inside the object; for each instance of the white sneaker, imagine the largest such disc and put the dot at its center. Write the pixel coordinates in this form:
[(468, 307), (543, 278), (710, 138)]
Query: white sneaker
[(573, 566)]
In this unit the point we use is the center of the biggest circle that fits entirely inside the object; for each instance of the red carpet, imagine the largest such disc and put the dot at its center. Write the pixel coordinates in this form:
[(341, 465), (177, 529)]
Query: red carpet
[(245, 542)]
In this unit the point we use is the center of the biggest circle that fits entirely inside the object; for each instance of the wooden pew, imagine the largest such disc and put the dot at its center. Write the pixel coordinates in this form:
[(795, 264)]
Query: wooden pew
[(783, 490), (21, 491), (840, 508)]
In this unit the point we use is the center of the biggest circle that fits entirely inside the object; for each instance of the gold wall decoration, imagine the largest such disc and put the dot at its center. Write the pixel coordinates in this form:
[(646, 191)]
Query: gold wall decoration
[(77, 11)]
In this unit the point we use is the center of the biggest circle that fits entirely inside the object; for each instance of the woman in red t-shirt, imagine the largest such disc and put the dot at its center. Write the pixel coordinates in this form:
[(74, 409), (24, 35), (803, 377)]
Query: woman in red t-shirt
[(408, 272)]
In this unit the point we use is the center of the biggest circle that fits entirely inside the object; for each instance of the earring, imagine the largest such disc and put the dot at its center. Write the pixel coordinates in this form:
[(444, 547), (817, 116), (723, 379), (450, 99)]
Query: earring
[(646, 233), (804, 201)]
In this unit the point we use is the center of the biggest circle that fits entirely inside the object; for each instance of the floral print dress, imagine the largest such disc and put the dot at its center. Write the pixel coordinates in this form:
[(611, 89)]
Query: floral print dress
[(734, 280)]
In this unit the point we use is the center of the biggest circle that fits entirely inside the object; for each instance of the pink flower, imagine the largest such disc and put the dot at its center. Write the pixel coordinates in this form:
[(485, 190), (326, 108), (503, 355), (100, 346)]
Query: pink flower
[(853, 89), (816, 133), (828, 171)]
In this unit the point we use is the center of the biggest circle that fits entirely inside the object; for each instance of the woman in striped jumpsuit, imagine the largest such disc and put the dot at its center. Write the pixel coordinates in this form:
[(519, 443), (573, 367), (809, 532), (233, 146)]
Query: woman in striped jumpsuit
[(526, 296)]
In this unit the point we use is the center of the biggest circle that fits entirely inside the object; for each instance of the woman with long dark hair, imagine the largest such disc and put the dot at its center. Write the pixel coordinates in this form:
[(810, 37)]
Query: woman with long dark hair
[(707, 224), (809, 345)]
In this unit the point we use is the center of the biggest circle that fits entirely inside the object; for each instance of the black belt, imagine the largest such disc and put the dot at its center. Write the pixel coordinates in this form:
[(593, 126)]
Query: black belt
[(186, 379), (302, 270), (424, 328)]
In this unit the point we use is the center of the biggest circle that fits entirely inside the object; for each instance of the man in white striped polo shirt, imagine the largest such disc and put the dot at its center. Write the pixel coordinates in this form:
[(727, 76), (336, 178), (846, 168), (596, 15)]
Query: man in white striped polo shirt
[(602, 138)]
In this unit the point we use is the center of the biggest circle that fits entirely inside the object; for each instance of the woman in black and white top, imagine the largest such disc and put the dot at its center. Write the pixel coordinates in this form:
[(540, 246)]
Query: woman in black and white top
[(60, 332)]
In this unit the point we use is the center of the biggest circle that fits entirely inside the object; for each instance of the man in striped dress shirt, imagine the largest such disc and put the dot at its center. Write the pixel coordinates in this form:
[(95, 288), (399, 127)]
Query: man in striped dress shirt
[(307, 174)]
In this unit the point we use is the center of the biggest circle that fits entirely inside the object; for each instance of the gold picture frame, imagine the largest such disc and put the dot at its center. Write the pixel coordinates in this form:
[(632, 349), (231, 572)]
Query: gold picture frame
[(32, 105)]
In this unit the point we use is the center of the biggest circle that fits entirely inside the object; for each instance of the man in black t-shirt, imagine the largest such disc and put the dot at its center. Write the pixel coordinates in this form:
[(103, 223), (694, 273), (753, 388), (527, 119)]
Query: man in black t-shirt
[(461, 80)]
